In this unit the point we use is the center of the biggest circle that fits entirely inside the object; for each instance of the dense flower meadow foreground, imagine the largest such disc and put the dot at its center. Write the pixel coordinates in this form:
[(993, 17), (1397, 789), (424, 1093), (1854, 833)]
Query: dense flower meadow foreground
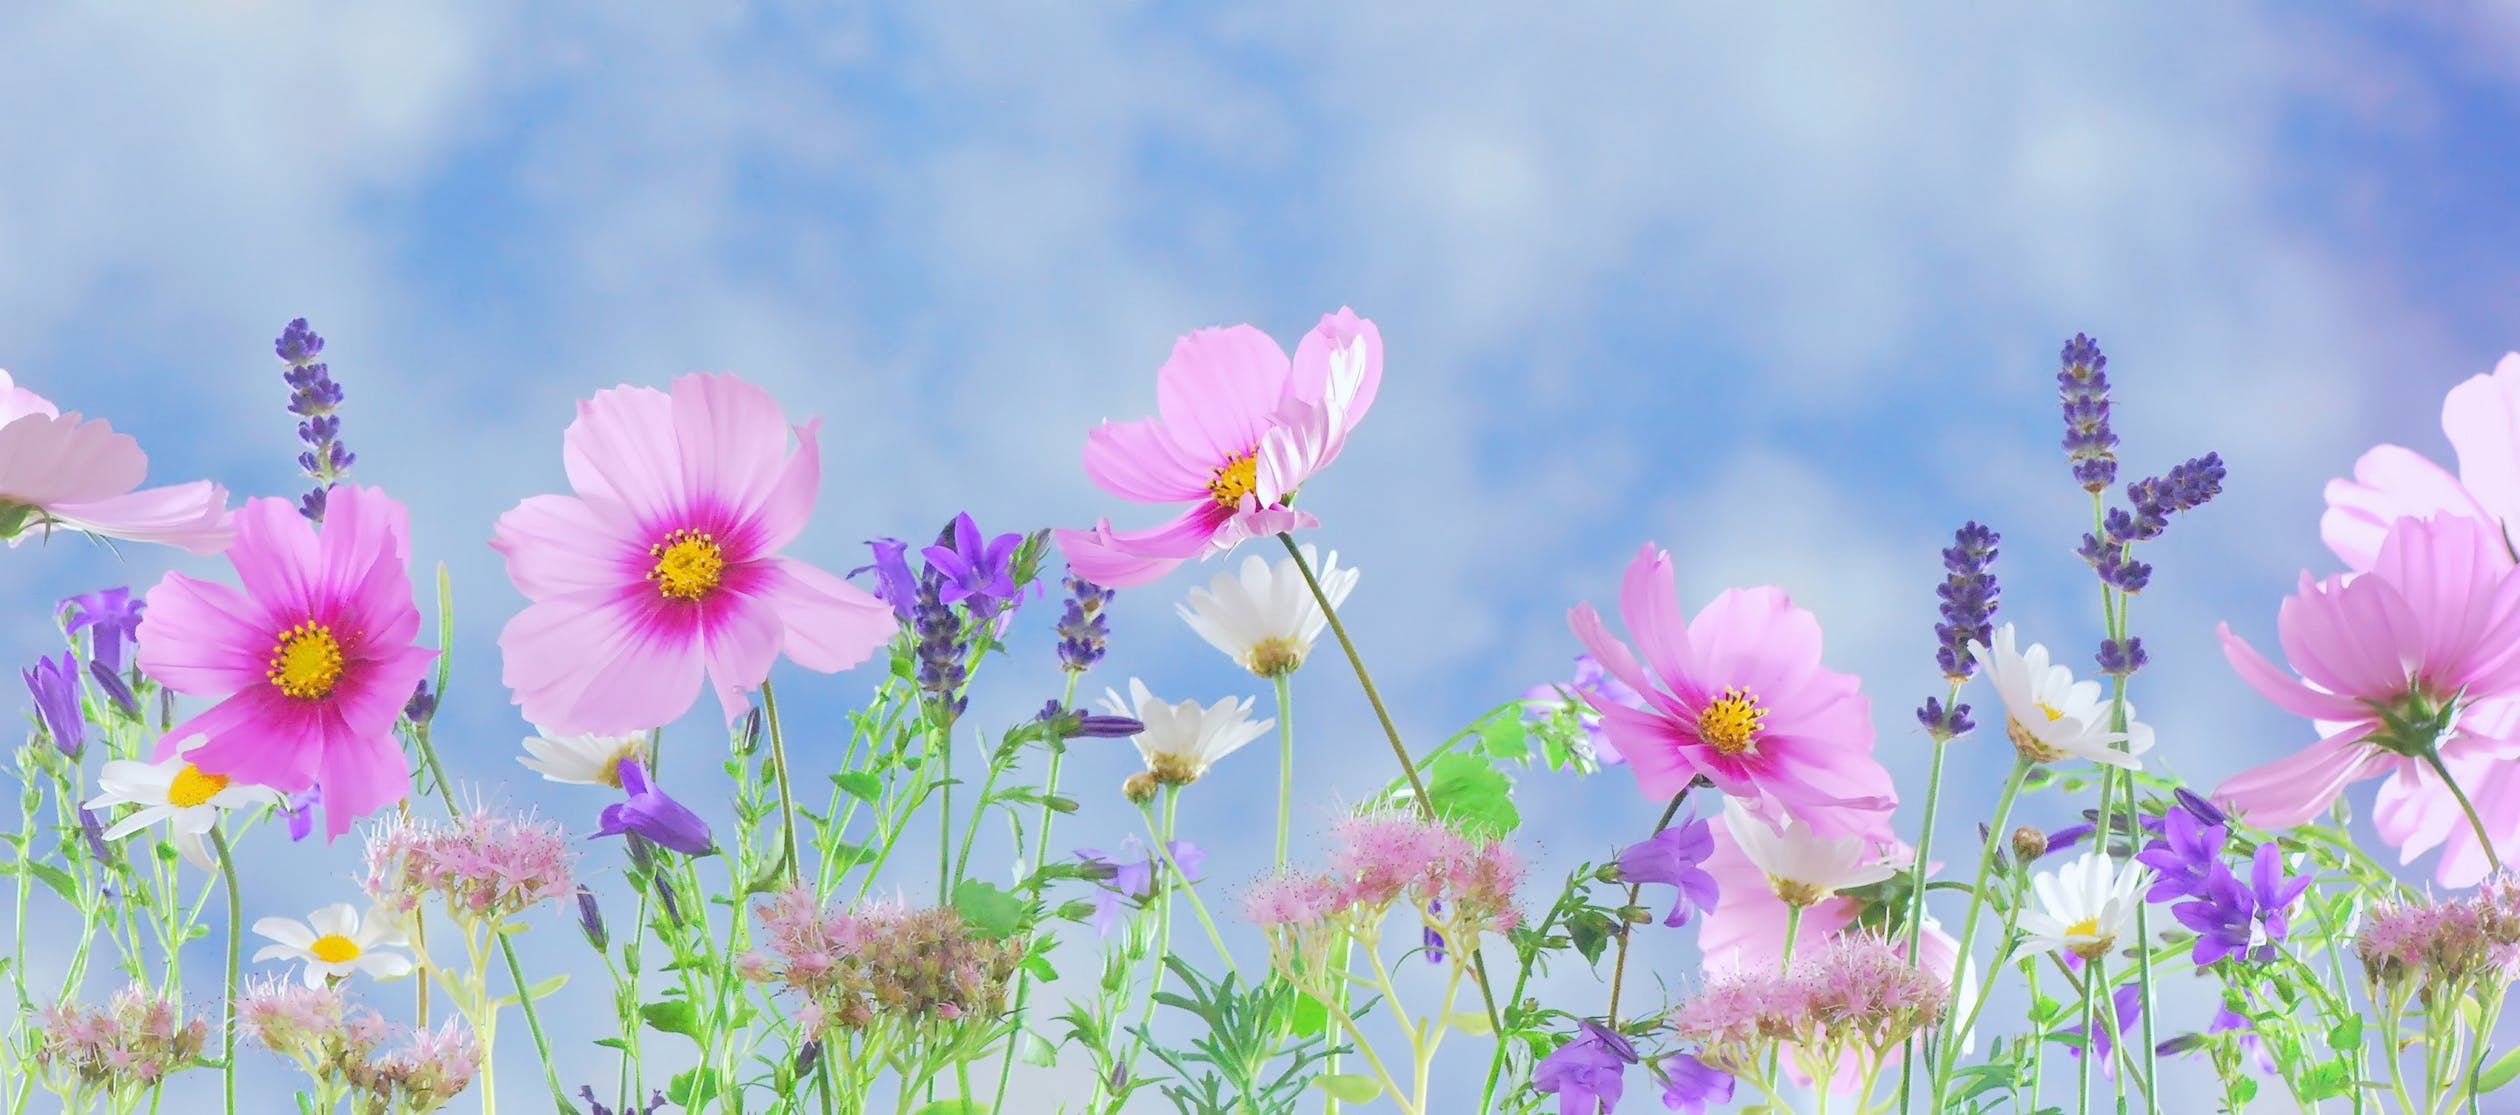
[(790, 962)]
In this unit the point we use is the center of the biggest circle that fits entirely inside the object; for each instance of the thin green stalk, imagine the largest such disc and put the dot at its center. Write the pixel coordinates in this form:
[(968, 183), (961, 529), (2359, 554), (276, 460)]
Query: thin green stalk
[(945, 815), (1947, 1047), (1618, 969), (1041, 849), (1286, 763), (2485, 840), (787, 799), (235, 943), (1916, 910), (2082, 1093), (1163, 850)]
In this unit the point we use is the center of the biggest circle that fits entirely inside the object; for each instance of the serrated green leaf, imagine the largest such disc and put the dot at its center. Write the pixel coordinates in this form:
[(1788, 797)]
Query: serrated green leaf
[(672, 1016), (1472, 793), (1348, 1087), (693, 1088), (1309, 1016), (1590, 932), (860, 785), (1506, 739), (2325, 1080), (990, 910), (2346, 1036)]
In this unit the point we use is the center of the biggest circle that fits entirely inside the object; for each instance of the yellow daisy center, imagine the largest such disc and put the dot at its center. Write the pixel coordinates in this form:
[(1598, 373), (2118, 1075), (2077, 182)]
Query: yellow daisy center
[(688, 565), (611, 775), (194, 786), (2052, 715), (1730, 723), (1235, 479), (2087, 927), (307, 662), (333, 948)]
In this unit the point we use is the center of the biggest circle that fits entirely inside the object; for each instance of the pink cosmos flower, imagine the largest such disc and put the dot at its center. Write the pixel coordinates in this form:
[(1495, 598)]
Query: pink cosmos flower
[(2422, 651), (1738, 695), (312, 660), (2482, 417), (1241, 429), (663, 568), (2415, 813), (64, 470)]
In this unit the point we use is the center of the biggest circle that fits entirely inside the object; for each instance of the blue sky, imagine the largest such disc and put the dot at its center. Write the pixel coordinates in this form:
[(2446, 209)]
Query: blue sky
[(1782, 295)]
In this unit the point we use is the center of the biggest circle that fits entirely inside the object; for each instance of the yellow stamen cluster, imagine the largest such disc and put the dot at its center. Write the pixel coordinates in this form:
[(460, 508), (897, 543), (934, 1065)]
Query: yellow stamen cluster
[(333, 948), (1235, 479), (688, 564), (307, 662), (194, 786), (1730, 723)]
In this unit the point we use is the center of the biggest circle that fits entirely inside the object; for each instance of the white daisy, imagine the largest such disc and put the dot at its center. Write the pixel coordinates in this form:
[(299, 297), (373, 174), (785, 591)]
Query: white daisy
[(582, 760), (2050, 716), (2084, 906), (1803, 866), (334, 942), (1266, 618), (186, 797), (1182, 740)]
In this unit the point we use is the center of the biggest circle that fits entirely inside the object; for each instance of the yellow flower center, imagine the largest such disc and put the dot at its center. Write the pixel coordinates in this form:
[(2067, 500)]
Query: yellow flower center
[(1235, 479), (307, 662), (2029, 745), (193, 786), (2052, 715), (2087, 927), (333, 948), (1730, 723), (611, 775), (1795, 893), (688, 565)]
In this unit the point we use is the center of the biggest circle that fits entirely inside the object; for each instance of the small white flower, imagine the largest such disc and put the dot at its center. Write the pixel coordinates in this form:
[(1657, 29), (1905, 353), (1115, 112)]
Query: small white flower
[(2050, 716), (186, 797), (1266, 619), (2083, 907), (1803, 866), (334, 943), (1182, 740), (582, 760)]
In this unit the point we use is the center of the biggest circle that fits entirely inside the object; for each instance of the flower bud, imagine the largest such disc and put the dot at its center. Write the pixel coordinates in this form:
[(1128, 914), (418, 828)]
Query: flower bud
[(2028, 843), (591, 918), (1139, 788)]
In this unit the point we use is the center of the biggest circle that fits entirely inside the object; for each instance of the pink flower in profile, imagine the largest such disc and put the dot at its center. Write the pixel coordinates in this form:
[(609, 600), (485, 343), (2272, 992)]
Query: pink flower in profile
[(664, 569), (1241, 429), (312, 660), (2415, 813), (1738, 696), (64, 470), (2417, 654), (2482, 417)]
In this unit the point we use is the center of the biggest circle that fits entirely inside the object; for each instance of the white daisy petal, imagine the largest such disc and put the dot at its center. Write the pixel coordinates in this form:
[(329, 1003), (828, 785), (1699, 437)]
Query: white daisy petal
[(340, 919)]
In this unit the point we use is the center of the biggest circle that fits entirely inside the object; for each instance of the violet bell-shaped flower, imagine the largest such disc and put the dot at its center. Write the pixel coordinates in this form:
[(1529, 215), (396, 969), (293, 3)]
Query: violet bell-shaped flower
[(650, 813), (54, 682), (1676, 856)]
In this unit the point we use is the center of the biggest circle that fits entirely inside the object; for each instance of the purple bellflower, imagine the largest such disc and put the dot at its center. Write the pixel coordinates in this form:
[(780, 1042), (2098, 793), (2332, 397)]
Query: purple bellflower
[(1676, 856), (650, 813), (54, 682), (111, 617)]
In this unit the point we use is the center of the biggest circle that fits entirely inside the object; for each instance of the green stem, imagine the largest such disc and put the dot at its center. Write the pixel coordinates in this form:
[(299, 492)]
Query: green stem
[(945, 815), (2432, 757), (1916, 910), (787, 798), (235, 944), (1618, 969), (1163, 850), (1948, 1046), (2082, 1093), (1286, 763), (1041, 849)]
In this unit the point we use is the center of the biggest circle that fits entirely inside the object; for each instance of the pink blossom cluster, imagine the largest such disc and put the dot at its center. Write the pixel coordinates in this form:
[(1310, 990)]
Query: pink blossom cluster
[(336, 1041), (880, 960), (1856, 989), (131, 1046), (482, 864), (1380, 856), (2447, 946)]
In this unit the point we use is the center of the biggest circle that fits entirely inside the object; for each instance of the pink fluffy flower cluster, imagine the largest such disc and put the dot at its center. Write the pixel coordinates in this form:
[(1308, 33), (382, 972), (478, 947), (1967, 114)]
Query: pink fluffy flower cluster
[(122, 1051), (331, 1039), (483, 864), (1857, 997), (1460, 886), (881, 960), (2444, 946)]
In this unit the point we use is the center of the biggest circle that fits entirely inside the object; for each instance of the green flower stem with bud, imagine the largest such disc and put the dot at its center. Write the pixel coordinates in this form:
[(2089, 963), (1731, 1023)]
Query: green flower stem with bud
[(1948, 1046)]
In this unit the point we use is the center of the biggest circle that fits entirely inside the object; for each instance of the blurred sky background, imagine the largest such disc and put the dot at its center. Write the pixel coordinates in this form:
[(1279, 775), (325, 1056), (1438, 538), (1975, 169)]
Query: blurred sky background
[(1783, 294)]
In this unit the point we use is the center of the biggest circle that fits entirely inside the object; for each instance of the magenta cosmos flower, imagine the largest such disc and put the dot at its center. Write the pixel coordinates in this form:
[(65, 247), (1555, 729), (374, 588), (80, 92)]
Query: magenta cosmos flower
[(1738, 695), (1241, 429), (311, 660), (2421, 652), (64, 470), (2482, 417), (664, 567)]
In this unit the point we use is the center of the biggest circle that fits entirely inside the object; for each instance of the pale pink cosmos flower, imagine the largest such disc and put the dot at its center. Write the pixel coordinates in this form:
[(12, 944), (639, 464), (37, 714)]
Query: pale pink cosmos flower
[(2429, 637), (312, 660), (68, 471), (1240, 429), (1739, 696), (663, 568), (2482, 417), (2415, 813)]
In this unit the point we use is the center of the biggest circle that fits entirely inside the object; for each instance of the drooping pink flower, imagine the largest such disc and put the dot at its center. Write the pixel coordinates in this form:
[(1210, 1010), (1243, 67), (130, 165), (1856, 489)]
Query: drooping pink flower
[(68, 471), (1739, 696), (2482, 417), (664, 569), (2418, 653), (311, 660), (1240, 429)]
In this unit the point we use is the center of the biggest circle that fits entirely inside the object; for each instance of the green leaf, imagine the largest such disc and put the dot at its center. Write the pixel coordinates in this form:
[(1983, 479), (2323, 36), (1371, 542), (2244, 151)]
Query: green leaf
[(672, 1016), (860, 785), (613, 1043), (1348, 1087), (693, 1088), (1590, 930), (2499, 1073), (988, 909), (1471, 1022), (56, 878), (1506, 738), (1472, 793), (1309, 1016), (2346, 1036), (544, 989), (957, 1106), (2326, 1080)]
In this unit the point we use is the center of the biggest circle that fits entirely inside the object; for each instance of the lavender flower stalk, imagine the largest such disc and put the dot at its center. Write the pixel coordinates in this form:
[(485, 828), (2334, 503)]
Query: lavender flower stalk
[(313, 397), (2083, 389)]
